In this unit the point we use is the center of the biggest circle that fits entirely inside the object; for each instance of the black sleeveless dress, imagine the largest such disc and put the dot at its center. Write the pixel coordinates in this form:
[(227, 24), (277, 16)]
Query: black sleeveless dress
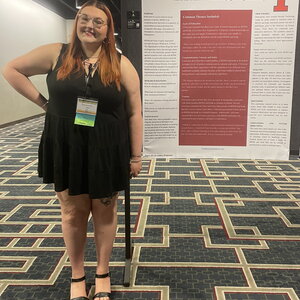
[(85, 160)]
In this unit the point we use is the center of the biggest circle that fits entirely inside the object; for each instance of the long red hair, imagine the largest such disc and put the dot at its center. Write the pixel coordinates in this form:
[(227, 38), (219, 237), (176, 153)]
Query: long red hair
[(109, 68)]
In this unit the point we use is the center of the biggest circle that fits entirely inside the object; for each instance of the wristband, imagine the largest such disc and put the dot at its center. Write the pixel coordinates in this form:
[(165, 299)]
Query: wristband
[(135, 160), (44, 104)]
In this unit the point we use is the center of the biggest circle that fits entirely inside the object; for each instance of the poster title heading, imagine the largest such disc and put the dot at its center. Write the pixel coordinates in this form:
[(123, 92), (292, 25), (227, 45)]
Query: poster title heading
[(202, 17)]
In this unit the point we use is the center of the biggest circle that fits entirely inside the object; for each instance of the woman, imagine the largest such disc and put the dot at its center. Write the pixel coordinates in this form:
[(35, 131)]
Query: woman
[(92, 137)]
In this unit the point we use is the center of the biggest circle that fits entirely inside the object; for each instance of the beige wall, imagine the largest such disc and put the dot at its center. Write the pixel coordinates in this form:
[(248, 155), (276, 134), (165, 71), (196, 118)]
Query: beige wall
[(70, 24), (25, 25)]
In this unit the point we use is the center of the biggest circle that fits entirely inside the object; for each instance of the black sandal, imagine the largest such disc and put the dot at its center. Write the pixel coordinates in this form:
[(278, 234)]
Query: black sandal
[(79, 280), (102, 294)]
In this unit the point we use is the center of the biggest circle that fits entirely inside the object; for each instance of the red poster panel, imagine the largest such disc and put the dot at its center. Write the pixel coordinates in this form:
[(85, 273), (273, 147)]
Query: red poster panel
[(214, 77)]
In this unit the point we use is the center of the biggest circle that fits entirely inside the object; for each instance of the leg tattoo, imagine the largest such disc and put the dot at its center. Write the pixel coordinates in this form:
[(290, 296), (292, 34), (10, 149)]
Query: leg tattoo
[(105, 201)]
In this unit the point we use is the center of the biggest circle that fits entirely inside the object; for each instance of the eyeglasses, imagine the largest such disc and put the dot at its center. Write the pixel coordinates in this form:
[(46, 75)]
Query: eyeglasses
[(84, 19)]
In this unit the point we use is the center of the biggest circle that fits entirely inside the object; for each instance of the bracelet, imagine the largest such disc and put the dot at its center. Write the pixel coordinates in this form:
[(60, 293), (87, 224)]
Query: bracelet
[(46, 103), (135, 161), (136, 155)]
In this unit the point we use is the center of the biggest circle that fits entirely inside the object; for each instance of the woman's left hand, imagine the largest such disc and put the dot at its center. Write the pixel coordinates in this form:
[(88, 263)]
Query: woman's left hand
[(135, 168)]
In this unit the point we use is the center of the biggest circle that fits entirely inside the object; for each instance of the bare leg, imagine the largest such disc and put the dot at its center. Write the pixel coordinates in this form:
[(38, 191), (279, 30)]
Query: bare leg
[(75, 211), (104, 213)]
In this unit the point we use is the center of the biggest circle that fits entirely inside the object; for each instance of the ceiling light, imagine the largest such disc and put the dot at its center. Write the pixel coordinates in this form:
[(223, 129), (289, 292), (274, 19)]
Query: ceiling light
[(79, 3)]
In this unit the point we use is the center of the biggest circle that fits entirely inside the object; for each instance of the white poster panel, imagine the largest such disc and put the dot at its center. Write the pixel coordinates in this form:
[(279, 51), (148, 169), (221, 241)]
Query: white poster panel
[(218, 77)]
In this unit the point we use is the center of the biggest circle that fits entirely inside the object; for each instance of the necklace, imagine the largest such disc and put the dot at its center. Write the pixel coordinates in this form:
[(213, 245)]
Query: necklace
[(90, 68), (92, 62), (87, 63)]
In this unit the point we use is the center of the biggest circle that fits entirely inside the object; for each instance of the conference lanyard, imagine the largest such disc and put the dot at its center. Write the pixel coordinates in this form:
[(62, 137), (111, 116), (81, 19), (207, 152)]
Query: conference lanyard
[(86, 109), (87, 81)]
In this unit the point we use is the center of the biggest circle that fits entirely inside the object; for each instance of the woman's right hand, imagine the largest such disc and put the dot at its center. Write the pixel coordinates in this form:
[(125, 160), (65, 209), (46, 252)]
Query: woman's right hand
[(38, 61), (44, 102)]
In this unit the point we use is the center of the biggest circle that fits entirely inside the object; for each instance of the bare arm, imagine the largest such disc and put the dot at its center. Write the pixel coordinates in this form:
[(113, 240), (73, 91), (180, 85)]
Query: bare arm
[(130, 80), (37, 61)]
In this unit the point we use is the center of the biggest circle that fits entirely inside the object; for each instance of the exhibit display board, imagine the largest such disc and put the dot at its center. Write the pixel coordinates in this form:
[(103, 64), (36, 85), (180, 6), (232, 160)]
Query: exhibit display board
[(218, 77)]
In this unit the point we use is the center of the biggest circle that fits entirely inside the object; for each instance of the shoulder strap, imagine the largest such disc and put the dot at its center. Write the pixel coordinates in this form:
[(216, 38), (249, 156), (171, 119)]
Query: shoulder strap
[(59, 58), (62, 51), (63, 48)]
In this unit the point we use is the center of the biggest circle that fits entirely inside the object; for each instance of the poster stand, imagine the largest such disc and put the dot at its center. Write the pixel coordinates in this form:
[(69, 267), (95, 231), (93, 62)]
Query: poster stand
[(128, 245)]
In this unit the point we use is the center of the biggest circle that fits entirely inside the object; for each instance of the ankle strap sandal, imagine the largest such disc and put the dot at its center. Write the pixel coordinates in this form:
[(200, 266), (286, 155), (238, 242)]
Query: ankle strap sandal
[(102, 275), (79, 280), (102, 294)]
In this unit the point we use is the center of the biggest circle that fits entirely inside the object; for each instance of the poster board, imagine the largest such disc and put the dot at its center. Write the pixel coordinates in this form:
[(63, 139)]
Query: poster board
[(218, 77)]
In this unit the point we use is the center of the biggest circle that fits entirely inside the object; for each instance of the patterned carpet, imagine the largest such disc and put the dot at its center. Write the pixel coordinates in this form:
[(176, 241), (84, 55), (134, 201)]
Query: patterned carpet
[(202, 229)]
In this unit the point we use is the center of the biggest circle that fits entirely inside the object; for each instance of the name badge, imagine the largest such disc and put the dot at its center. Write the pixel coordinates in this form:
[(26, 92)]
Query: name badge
[(86, 112)]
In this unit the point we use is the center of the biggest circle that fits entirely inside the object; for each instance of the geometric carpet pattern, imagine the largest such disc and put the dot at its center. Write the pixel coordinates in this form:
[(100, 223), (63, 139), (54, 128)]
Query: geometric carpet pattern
[(201, 228)]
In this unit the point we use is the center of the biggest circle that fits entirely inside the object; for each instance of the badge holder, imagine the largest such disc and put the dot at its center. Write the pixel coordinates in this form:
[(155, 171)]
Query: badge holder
[(86, 110)]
